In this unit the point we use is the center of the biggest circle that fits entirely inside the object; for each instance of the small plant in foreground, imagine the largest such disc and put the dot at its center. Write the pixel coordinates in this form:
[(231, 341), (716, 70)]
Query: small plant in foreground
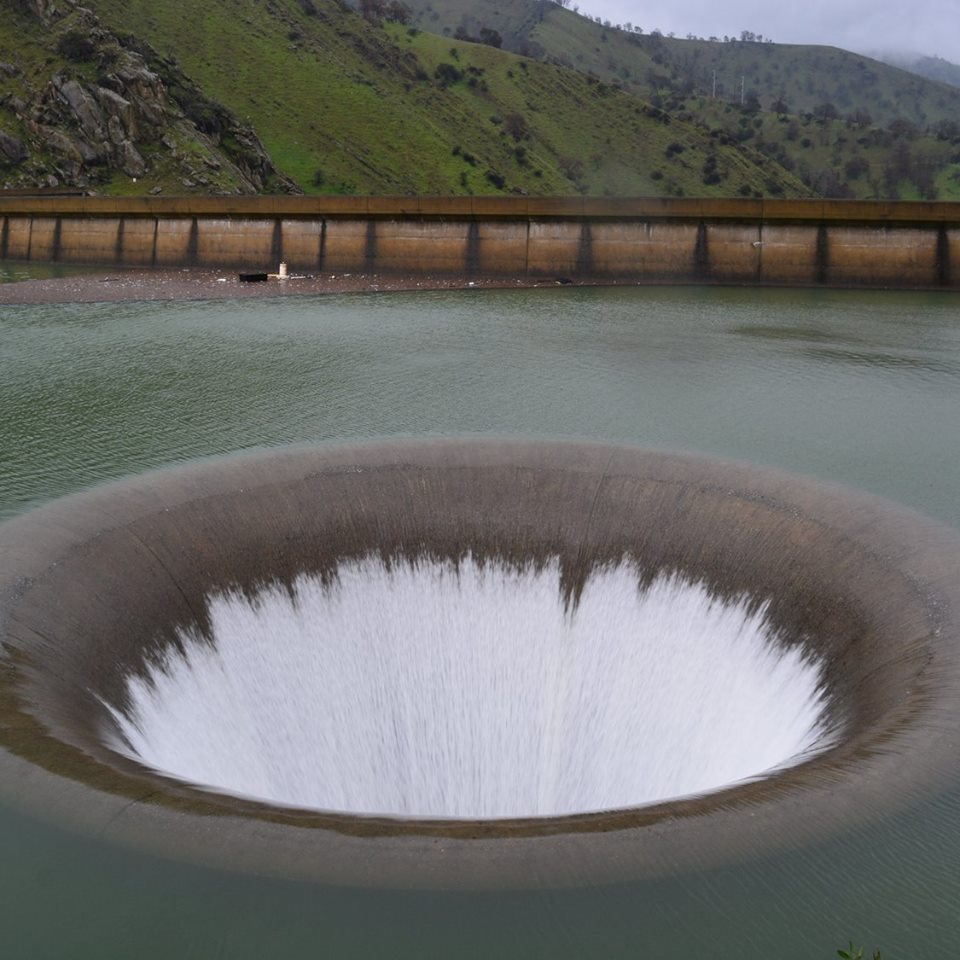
[(855, 953)]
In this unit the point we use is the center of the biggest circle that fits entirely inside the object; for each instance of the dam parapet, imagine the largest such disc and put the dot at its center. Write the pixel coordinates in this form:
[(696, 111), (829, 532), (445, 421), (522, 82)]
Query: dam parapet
[(897, 244)]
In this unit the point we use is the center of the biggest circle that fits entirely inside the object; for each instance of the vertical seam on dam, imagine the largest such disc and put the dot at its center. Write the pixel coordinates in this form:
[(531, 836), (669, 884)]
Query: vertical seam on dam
[(758, 270), (5, 238), (370, 248), (473, 248), (822, 255), (584, 265), (156, 232), (276, 243), (193, 243), (701, 253), (118, 245), (321, 245), (57, 239), (943, 257)]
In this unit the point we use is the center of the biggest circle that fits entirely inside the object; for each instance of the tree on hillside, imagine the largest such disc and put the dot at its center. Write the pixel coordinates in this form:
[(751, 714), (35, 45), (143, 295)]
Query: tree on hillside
[(859, 118), (490, 37), (398, 12), (372, 10), (515, 125), (825, 111)]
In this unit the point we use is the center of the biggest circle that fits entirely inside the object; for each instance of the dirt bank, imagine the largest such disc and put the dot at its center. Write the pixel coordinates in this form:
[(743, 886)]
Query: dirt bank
[(102, 285)]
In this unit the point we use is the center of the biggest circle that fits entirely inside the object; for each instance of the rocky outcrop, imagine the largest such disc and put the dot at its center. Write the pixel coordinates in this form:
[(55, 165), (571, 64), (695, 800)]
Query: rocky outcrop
[(13, 149), (140, 117)]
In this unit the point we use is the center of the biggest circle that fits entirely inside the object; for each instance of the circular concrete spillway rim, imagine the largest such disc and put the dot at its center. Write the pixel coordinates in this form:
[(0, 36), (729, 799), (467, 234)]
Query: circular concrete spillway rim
[(94, 584)]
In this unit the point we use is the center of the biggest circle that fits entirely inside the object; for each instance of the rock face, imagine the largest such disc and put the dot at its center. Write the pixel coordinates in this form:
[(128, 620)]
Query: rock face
[(13, 149), (140, 118)]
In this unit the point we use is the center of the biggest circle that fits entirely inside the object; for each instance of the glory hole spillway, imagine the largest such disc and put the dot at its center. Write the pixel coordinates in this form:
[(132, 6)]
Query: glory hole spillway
[(506, 667), (485, 641)]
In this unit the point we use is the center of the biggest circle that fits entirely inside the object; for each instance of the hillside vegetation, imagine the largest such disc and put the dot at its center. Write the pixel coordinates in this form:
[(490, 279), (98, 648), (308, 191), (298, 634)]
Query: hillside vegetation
[(803, 77), (846, 124), (83, 107), (934, 68), (345, 105)]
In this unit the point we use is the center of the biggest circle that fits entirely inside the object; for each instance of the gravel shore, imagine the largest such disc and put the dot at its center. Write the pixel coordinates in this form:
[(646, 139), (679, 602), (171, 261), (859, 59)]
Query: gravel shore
[(104, 285)]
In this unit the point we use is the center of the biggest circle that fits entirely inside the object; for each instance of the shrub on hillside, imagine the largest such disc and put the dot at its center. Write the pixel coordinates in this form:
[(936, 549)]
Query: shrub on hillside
[(76, 45), (447, 74)]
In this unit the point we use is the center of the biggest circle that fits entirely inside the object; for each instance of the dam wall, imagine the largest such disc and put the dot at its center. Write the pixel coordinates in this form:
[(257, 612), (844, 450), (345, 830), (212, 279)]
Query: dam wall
[(784, 242)]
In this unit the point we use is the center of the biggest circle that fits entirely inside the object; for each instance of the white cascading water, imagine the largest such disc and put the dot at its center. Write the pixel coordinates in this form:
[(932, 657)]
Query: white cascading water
[(426, 691)]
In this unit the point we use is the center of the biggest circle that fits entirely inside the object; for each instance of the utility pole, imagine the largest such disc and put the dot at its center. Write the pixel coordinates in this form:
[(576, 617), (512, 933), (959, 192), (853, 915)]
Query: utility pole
[(742, 81), (714, 96)]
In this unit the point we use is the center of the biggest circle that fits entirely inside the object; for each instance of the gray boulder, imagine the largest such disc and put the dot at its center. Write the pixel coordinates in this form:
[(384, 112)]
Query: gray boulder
[(13, 149), (133, 164), (84, 107)]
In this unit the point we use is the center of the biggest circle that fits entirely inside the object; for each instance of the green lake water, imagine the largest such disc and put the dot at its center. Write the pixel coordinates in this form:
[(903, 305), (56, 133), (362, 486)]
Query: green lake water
[(861, 388)]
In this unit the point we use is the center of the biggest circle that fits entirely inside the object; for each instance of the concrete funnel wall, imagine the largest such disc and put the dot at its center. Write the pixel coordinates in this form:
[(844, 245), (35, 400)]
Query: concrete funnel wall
[(94, 586)]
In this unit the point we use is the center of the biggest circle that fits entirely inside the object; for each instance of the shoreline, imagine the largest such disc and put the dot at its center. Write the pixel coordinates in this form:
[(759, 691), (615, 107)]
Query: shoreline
[(103, 285)]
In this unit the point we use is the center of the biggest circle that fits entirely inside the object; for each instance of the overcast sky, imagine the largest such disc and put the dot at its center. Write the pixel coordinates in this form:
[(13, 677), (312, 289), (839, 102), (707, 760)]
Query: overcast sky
[(930, 27)]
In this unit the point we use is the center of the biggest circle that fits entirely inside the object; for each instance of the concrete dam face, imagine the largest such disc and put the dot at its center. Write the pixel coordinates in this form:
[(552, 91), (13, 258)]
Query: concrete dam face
[(890, 244), (474, 664)]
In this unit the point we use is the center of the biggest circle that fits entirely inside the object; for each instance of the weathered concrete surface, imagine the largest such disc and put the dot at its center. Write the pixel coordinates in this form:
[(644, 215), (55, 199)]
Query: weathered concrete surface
[(659, 250), (787, 253), (882, 256), (502, 247), (417, 246), (345, 245), (139, 241), (16, 238), (174, 243), (303, 242), (236, 242), (94, 238), (92, 586), (844, 243)]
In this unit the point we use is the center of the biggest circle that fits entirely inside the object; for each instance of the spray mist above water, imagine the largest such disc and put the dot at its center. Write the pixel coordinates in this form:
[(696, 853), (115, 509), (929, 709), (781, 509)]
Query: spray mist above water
[(428, 690)]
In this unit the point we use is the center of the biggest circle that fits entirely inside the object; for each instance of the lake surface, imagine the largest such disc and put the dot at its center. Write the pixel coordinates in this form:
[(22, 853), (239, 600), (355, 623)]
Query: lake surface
[(12, 271), (862, 388)]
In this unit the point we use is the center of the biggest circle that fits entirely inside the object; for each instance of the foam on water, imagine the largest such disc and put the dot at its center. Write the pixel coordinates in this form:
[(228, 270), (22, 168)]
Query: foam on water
[(423, 690)]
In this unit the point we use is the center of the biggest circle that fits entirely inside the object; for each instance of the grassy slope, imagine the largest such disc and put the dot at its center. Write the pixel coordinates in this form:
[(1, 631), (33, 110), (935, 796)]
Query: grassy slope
[(805, 75), (334, 94), (935, 68), (172, 152), (678, 74)]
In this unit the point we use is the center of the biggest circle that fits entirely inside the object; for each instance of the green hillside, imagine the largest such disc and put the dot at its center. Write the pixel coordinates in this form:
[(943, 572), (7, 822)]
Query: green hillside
[(820, 110), (344, 105), (82, 107), (934, 68), (802, 76)]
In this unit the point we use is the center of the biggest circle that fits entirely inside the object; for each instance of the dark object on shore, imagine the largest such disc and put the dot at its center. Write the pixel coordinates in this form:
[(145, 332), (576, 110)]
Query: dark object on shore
[(253, 278), (564, 280)]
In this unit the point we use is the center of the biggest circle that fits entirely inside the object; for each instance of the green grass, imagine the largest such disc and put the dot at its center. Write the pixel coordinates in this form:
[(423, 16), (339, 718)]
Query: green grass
[(344, 106), (173, 150), (678, 75), (804, 75)]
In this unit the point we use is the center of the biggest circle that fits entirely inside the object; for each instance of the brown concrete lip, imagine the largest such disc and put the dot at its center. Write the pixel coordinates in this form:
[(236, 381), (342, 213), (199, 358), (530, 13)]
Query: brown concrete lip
[(93, 584)]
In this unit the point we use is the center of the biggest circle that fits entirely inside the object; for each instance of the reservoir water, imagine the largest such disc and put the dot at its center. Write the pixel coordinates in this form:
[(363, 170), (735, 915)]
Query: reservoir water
[(861, 388)]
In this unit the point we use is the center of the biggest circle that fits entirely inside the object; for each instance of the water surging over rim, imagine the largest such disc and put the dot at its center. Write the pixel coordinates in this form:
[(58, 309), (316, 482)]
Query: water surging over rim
[(428, 690)]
